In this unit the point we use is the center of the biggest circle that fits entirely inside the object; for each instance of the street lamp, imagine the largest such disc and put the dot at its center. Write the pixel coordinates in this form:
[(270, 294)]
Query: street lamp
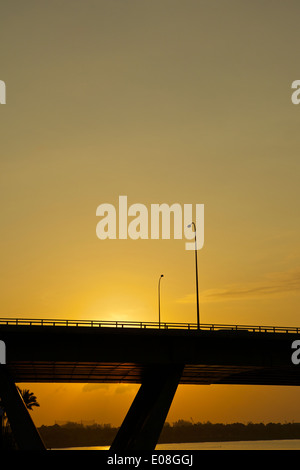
[(161, 276), (196, 263)]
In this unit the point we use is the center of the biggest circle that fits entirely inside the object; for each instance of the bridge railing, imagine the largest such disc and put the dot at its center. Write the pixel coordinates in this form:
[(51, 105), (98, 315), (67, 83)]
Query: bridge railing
[(148, 325)]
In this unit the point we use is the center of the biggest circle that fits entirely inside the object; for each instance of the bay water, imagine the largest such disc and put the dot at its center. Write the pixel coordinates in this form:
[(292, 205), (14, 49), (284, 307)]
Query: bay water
[(282, 444)]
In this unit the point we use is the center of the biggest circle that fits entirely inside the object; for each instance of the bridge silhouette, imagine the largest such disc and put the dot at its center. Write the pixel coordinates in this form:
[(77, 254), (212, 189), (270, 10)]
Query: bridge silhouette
[(159, 356)]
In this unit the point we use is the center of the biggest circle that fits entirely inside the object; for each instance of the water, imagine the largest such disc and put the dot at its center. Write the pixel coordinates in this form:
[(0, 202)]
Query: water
[(284, 444)]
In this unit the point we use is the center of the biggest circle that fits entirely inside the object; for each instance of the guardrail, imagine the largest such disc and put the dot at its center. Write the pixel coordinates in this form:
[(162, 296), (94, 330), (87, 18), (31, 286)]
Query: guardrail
[(148, 325)]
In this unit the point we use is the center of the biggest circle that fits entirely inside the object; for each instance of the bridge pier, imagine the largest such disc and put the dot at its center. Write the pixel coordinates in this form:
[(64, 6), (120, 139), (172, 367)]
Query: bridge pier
[(22, 426), (144, 421)]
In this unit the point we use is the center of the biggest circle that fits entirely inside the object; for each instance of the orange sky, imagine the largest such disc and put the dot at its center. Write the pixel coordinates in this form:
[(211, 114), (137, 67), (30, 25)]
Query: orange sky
[(163, 101)]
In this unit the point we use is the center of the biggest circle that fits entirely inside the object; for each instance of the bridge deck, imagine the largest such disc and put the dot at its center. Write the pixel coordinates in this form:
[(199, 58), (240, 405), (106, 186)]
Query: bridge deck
[(81, 351)]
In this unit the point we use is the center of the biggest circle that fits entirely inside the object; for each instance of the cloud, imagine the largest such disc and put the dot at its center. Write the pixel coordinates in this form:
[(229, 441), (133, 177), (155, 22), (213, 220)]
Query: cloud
[(279, 283), (93, 387), (110, 388), (126, 388)]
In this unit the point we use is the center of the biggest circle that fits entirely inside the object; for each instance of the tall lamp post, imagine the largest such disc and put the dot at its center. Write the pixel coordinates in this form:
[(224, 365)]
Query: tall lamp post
[(161, 276), (196, 263)]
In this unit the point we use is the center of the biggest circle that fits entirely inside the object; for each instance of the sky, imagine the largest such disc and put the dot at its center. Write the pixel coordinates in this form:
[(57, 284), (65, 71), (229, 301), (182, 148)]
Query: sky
[(164, 101)]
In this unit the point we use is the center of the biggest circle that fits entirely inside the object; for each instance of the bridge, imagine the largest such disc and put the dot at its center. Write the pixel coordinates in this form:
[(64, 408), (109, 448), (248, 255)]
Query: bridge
[(159, 356)]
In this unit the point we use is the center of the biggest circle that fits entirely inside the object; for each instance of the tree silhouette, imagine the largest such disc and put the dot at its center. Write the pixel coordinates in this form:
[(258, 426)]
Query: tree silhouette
[(30, 401), (29, 398)]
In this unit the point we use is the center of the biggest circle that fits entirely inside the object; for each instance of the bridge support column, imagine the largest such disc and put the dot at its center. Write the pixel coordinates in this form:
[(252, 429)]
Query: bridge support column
[(144, 421), (22, 426)]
